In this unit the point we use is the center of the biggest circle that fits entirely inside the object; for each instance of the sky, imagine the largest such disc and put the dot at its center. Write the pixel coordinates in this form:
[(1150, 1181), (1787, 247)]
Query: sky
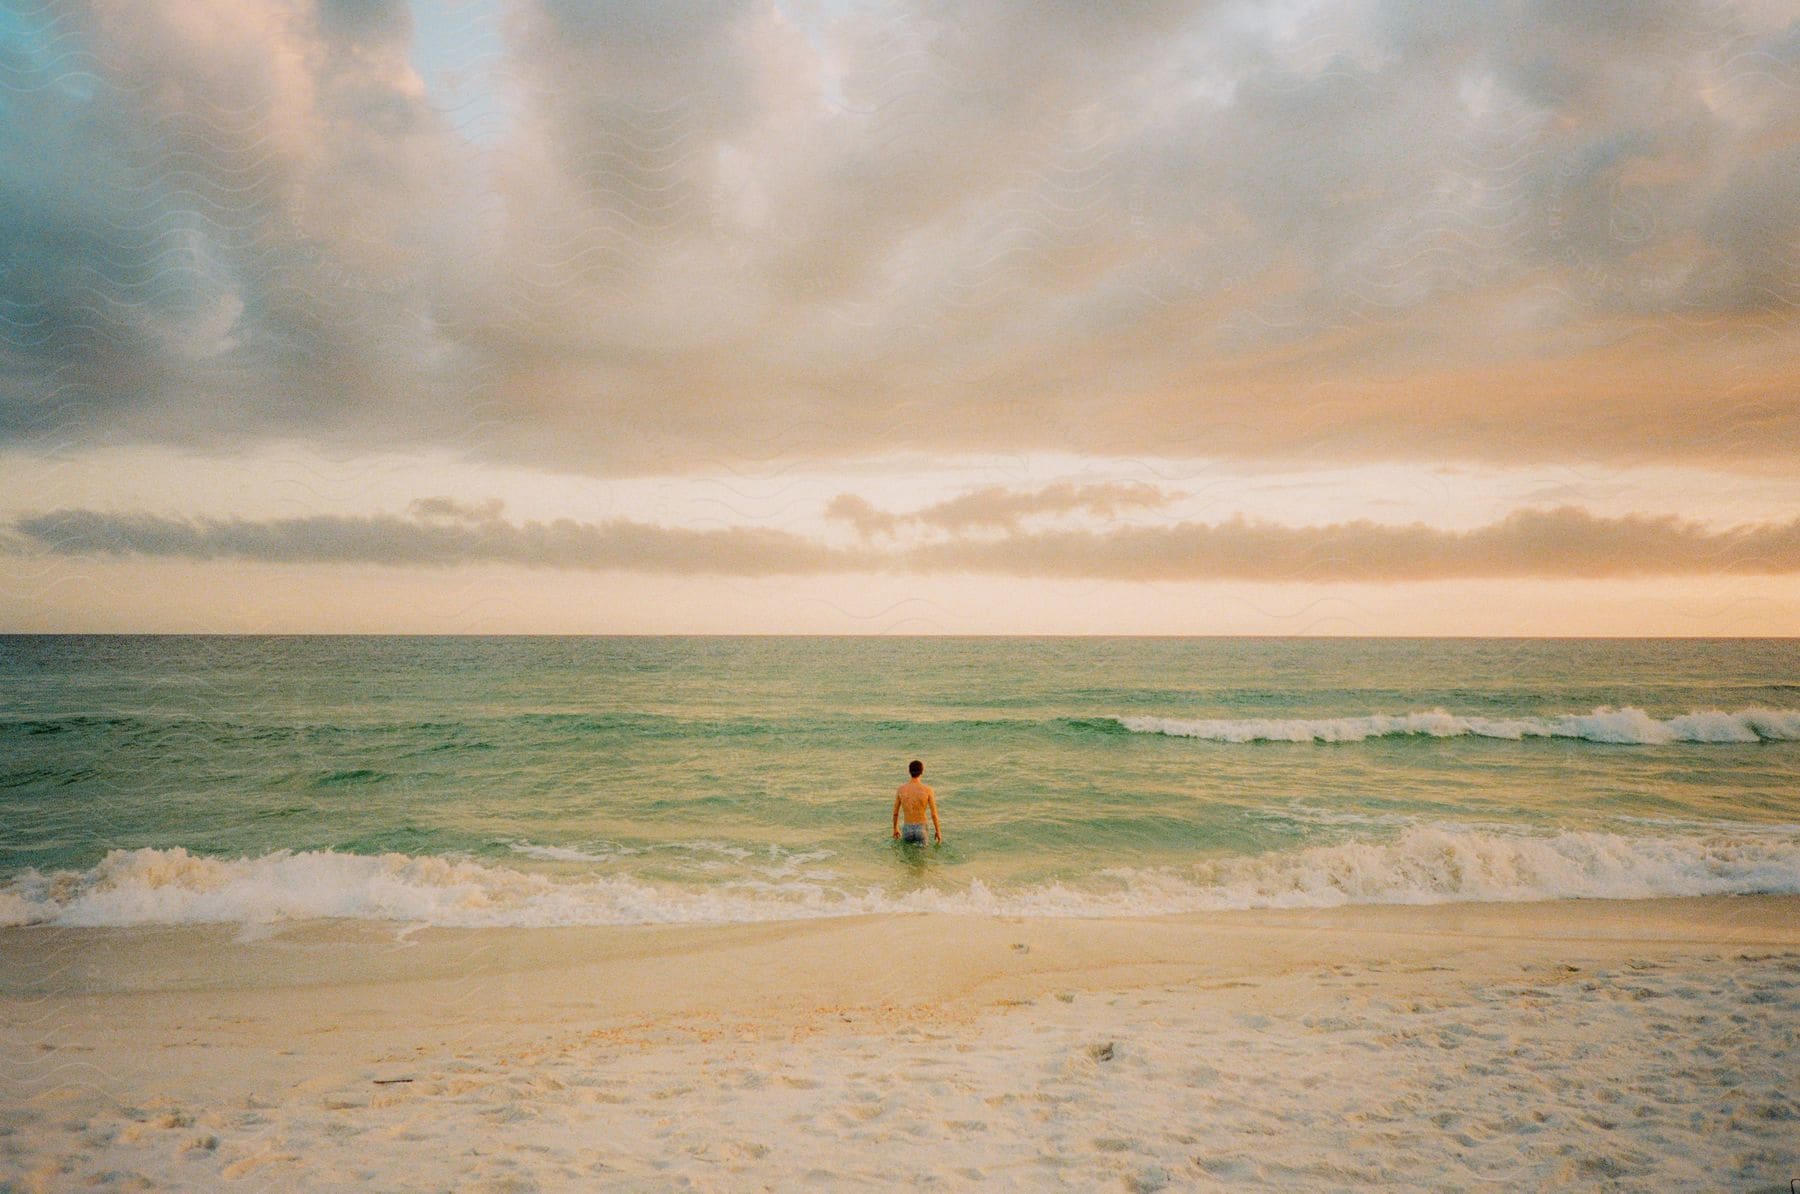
[(553, 316)]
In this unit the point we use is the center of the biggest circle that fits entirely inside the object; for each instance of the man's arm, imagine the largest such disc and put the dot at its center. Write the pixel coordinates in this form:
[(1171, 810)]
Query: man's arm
[(896, 814), (937, 830)]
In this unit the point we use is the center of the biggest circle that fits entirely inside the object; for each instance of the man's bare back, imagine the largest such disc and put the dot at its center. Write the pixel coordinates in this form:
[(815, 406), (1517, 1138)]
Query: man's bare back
[(917, 801)]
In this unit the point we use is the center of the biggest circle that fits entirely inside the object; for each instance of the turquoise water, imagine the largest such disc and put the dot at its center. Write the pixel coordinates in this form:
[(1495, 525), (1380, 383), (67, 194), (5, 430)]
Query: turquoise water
[(556, 780)]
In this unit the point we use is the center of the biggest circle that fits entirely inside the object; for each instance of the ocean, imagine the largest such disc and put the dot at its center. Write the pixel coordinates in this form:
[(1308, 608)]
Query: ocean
[(544, 781)]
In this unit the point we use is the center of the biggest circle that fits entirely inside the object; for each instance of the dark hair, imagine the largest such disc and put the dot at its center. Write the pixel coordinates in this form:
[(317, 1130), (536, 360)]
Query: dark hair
[(915, 769)]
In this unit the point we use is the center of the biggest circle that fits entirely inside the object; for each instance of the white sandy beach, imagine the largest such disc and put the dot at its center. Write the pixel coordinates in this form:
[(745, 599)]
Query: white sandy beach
[(1628, 1045)]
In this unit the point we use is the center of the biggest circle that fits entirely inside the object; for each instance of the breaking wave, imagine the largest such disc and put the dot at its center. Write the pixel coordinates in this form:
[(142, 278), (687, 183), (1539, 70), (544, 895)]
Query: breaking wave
[(1629, 726), (1422, 865)]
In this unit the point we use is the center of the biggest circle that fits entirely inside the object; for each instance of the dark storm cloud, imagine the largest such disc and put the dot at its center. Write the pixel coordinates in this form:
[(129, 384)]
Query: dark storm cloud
[(733, 230), (1565, 543)]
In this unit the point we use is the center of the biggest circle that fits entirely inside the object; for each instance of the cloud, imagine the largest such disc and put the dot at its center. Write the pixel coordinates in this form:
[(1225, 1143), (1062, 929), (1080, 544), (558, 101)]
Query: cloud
[(999, 507), (1567, 543), (428, 508), (735, 231), (1562, 543), (860, 513), (433, 540), (220, 223)]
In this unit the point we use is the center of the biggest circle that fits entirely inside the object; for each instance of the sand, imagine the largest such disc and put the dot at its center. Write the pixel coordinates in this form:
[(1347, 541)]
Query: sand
[(1609, 1044)]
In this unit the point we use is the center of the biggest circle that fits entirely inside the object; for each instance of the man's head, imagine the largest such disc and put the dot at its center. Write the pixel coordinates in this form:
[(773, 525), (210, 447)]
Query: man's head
[(915, 769)]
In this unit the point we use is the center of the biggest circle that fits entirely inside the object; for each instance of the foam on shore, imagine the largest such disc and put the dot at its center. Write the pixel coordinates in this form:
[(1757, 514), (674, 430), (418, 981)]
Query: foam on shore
[(1424, 864)]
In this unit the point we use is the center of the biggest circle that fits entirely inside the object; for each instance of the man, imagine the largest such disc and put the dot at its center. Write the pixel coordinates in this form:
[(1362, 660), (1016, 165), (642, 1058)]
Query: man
[(916, 800)]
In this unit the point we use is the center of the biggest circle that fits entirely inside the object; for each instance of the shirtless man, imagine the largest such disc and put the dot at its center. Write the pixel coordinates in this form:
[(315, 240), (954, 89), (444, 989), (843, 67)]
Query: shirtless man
[(917, 800)]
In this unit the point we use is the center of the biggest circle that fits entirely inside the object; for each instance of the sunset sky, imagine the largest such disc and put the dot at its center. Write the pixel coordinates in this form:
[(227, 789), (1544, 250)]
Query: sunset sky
[(1365, 317)]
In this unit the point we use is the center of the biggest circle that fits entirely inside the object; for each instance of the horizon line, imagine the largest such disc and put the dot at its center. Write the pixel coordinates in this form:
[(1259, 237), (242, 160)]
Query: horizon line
[(248, 634)]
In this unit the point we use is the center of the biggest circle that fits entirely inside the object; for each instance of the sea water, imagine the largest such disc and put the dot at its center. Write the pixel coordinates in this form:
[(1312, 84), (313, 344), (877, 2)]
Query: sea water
[(530, 781)]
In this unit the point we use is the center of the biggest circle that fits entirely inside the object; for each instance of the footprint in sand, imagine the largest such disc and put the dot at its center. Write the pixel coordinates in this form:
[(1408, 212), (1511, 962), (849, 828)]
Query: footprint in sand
[(743, 1150)]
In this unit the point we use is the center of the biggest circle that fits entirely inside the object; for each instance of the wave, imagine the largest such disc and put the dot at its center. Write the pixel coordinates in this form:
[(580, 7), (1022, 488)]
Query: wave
[(1627, 726), (33, 726), (771, 859), (352, 776), (1604, 724), (570, 853), (1423, 865)]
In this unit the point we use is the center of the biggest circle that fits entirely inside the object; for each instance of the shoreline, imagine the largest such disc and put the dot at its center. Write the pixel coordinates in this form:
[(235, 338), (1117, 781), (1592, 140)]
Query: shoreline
[(487, 1039), (103, 960)]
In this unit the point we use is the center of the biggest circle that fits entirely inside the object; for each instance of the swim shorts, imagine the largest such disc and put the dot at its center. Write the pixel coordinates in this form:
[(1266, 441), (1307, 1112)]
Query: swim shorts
[(910, 832)]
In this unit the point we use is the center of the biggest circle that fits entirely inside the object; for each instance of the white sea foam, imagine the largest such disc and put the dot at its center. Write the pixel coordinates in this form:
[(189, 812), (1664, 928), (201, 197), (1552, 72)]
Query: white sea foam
[(704, 854), (1424, 864), (1605, 724), (570, 854)]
